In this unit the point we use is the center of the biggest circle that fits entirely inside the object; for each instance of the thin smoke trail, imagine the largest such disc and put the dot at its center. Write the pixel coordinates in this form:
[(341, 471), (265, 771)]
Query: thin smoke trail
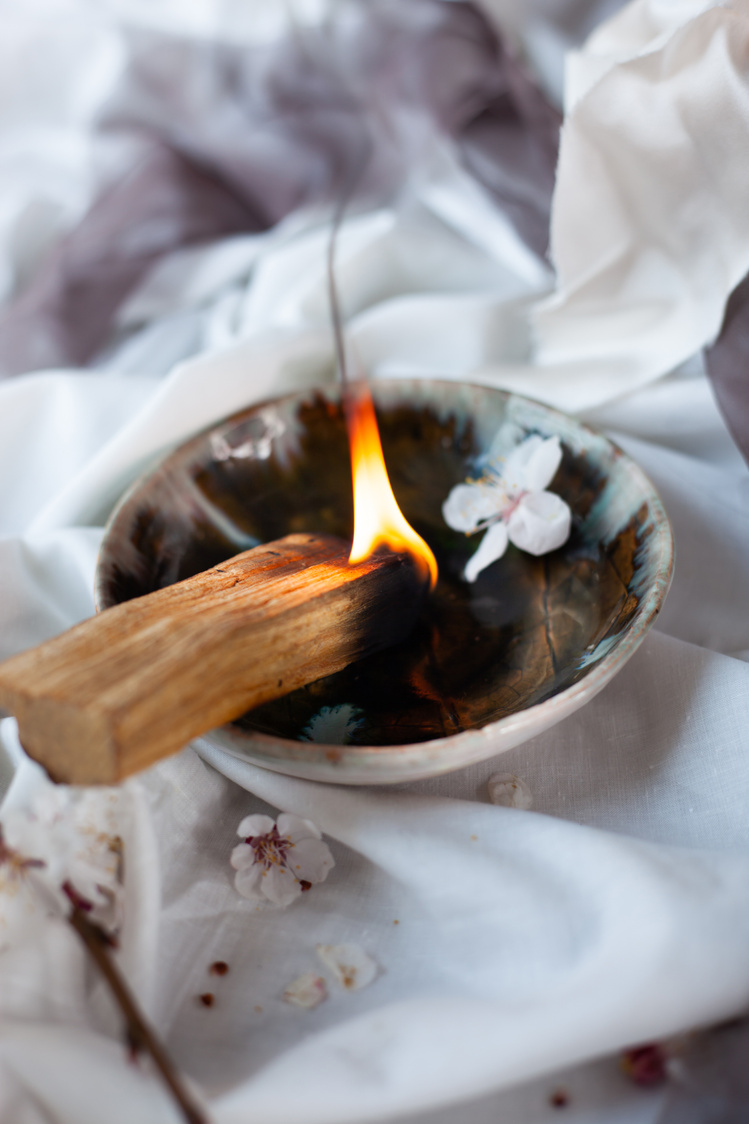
[(357, 171)]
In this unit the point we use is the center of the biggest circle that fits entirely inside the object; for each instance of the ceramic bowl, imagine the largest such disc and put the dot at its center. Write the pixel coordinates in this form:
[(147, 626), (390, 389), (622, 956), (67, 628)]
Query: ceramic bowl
[(489, 664)]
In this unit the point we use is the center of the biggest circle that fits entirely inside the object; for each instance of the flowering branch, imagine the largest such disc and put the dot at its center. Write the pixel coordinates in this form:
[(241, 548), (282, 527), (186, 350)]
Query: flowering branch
[(140, 1036), (63, 855)]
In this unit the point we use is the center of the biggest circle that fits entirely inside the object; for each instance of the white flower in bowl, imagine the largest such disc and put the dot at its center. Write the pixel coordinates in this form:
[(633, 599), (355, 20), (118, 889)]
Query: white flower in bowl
[(510, 502)]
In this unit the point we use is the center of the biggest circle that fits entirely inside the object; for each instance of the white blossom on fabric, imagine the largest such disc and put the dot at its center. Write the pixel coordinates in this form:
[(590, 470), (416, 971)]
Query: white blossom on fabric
[(352, 967), (511, 504), (279, 861), (66, 837), (509, 791)]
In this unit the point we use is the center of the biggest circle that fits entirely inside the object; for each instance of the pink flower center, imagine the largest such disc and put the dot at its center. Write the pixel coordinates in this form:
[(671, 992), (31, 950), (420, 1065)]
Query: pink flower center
[(270, 849), (512, 505)]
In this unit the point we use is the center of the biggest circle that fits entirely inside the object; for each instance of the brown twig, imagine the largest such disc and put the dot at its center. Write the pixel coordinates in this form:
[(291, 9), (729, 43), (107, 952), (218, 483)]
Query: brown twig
[(139, 1035)]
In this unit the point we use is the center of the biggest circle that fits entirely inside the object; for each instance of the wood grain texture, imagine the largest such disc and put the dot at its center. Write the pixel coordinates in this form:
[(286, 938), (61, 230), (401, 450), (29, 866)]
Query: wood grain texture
[(138, 682)]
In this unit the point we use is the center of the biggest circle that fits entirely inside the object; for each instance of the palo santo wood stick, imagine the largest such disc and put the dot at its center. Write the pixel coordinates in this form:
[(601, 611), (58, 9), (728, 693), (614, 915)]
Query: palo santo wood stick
[(139, 681)]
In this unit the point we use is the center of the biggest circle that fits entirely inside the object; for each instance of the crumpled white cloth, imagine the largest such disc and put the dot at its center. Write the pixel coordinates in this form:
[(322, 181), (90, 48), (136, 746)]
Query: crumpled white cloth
[(651, 240), (617, 910), (545, 941), (648, 240)]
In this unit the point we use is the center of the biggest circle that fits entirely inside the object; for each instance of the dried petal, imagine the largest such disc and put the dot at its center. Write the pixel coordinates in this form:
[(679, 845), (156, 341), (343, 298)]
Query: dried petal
[(646, 1065), (492, 546), (349, 963), (540, 523), (509, 791), (307, 991)]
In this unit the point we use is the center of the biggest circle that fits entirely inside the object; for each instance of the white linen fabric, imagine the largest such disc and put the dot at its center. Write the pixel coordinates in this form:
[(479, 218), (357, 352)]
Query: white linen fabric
[(511, 945), (537, 944)]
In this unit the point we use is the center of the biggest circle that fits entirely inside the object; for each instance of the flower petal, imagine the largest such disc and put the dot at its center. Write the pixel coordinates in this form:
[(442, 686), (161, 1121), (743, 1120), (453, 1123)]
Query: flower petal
[(509, 791), (540, 523), (280, 886), (295, 828), (469, 505), (492, 546), (516, 463), (541, 466), (242, 856), (247, 882), (349, 963), (306, 991), (255, 825), (310, 860)]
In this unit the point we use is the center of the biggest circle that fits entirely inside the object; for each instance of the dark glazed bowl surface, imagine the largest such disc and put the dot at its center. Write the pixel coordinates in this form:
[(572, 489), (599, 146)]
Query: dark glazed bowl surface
[(488, 664)]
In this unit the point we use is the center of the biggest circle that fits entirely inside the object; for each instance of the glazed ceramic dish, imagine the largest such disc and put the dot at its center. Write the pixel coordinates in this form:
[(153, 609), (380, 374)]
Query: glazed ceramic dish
[(489, 664)]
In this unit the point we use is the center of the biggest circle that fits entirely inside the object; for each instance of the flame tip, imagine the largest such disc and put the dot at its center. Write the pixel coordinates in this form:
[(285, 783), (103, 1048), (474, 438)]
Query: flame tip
[(378, 521)]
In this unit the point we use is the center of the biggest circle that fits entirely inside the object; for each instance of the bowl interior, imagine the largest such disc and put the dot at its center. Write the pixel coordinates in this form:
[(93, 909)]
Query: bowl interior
[(526, 630)]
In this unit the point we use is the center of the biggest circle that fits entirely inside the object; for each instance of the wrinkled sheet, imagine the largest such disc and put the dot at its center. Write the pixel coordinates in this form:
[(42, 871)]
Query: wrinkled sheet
[(616, 910)]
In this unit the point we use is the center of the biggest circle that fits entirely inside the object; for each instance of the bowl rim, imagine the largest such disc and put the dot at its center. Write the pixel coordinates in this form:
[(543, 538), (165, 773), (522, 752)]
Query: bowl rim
[(317, 760)]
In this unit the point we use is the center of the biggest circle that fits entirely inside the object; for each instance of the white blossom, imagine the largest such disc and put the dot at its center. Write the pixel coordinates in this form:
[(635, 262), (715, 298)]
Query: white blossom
[(66, 836), (349, 963), (511, 503), (278, 861)]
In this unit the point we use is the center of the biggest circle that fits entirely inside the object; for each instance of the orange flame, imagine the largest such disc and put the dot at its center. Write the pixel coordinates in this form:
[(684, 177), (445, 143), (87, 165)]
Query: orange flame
[(378, 521)]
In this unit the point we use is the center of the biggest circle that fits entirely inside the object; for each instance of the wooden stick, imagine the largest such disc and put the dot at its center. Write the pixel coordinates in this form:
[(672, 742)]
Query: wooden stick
[(139, 681)]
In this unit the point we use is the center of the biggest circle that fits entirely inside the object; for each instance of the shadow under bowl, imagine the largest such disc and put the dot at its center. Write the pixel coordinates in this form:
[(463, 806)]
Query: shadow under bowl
[(489, 664)]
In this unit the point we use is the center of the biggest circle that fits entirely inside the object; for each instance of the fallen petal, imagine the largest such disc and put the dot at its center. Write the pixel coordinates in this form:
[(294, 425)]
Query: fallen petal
[(509, 791), (492, 546), (306, 991), (349, 963), (540, 523)]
